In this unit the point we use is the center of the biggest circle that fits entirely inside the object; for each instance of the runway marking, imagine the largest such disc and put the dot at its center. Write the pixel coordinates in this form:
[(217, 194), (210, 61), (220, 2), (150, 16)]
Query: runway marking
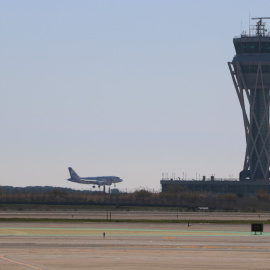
[(20, 263), (187, 247), (61, 232)]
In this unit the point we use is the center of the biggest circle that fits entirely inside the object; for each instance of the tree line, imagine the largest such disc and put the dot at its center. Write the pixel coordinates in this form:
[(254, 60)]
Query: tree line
[(175, 197)]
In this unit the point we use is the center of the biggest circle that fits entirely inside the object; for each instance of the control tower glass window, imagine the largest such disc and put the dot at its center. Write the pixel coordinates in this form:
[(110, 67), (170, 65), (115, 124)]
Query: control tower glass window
[(265, 69), (250, 47), (249, 68), (238, 47), (265, 47)]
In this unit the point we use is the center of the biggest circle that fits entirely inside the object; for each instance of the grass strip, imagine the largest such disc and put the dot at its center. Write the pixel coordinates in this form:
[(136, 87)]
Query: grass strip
[(65, 220)]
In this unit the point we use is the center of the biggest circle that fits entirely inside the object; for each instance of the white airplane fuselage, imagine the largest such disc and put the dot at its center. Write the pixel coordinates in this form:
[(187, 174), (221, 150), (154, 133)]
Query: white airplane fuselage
[(98, 180)]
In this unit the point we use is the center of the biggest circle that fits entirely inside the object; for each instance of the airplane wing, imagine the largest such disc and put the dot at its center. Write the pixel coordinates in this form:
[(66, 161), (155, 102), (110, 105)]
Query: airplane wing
[(84, 180)]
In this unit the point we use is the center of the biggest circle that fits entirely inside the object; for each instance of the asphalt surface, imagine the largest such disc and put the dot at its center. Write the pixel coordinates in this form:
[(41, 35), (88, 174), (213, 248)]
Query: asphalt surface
[(133, 245)]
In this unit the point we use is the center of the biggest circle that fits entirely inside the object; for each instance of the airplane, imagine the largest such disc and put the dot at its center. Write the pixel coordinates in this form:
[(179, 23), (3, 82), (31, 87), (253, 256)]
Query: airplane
[(98, 180)]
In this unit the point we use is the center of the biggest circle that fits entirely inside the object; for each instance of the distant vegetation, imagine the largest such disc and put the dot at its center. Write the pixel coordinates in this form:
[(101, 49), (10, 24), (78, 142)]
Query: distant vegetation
[(177, 197)]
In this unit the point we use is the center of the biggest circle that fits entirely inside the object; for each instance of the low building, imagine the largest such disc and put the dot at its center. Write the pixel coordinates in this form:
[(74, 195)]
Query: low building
[(218, 186)]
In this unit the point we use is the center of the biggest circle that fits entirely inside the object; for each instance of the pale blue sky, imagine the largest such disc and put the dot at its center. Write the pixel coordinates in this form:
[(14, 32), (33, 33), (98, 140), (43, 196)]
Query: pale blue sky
[(127, 88)]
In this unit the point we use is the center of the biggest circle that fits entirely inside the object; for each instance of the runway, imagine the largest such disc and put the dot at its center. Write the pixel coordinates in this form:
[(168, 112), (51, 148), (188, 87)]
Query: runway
[(132, 246), (151, 215)]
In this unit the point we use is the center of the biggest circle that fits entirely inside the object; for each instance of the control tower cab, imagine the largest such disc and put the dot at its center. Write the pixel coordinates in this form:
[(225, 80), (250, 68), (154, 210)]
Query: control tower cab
[(250, 71)]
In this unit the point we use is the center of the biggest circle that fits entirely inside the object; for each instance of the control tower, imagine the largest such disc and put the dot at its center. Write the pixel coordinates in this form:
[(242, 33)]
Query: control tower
[(250, 70)]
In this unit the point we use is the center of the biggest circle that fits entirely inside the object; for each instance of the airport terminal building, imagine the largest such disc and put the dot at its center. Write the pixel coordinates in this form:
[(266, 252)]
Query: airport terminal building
[(217, 186)]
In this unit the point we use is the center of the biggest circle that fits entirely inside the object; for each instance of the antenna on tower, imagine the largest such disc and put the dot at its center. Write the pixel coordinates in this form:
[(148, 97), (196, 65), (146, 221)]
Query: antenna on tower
[(249, 24), (241, 27), (260, 26)]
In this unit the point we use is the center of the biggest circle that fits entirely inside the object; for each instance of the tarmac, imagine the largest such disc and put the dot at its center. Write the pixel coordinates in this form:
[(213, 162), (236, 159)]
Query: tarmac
[(118, 245)]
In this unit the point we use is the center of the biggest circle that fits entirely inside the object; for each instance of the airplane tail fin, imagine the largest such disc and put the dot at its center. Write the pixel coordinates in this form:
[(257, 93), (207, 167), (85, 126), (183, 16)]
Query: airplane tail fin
[(73, 174)]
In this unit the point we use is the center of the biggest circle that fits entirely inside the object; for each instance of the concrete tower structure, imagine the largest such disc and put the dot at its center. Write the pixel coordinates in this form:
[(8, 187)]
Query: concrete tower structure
[(250, 71)]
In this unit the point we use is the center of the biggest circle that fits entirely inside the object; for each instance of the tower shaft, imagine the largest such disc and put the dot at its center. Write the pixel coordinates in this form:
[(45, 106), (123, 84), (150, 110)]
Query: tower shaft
[(259, 126)]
